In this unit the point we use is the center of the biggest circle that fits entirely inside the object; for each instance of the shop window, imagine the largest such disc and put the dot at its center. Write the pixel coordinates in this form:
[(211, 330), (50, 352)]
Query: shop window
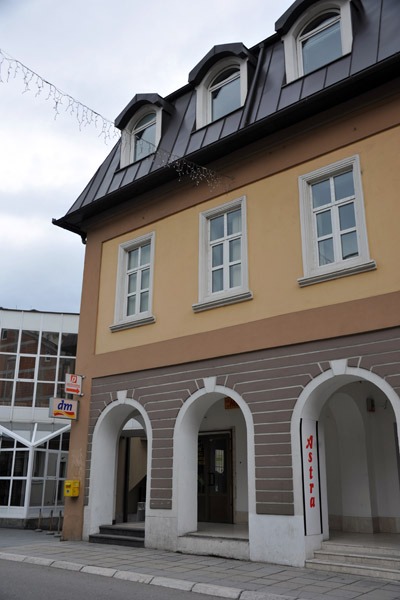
[(26, 368), (6, 392), (9, 340), (68, 344), (23, 393), (7, 366), (29, 342), (49, 342), (47, 368)]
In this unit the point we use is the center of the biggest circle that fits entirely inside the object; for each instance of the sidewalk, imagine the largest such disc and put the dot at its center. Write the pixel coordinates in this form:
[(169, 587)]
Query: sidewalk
[(219, 577)]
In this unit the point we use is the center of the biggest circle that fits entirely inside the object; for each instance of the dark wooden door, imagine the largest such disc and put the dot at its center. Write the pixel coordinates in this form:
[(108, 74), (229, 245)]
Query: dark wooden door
[(215, 478)]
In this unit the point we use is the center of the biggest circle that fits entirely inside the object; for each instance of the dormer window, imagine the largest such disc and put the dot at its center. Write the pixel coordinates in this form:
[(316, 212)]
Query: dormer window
[(225, 93), (322, 34), (222, 91), (141, 135), (320, 42), (144, 137)]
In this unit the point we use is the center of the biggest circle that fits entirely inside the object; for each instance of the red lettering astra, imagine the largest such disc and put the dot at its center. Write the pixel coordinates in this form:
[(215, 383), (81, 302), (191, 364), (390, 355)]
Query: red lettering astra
[(310, 457), (311, 473), (312, 502), (309, 442), (311, 487)]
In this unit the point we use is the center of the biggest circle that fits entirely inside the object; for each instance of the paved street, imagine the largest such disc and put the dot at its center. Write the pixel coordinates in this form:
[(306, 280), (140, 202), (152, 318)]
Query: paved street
[(24, 581), (202, 574)]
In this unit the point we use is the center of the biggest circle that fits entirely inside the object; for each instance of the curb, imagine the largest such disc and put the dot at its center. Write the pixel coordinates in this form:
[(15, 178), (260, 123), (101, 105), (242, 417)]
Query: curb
[(178, 584)]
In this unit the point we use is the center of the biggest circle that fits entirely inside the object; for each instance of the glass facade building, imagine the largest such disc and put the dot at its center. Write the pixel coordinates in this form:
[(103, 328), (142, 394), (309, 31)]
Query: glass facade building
[(37, 350)]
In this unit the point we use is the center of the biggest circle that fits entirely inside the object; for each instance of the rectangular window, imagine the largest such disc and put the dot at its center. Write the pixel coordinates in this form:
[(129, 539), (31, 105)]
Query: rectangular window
[(223, 277), (334, 235), (133, 305)]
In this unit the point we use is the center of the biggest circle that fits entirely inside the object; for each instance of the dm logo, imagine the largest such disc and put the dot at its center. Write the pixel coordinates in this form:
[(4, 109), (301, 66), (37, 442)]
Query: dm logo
[(64, 409)]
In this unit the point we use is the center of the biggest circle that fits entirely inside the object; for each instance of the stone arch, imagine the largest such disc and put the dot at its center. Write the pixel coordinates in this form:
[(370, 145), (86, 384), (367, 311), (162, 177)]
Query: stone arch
[(185, 451), (309, 405), (103, 468)]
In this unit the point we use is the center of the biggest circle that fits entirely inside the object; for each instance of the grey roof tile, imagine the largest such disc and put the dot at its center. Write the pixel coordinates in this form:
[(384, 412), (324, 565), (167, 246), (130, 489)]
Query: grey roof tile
[(290, 94), (314, 82), (366, 35), (274, 79), (389, 41)]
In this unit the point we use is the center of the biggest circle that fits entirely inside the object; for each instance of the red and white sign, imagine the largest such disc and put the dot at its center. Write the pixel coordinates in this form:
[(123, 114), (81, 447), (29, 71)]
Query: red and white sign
[(73, 384), (309, 446)]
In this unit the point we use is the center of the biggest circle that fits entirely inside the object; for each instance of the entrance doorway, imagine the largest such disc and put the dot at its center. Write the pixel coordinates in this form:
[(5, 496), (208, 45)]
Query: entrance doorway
[(131, 474), (214, 480)]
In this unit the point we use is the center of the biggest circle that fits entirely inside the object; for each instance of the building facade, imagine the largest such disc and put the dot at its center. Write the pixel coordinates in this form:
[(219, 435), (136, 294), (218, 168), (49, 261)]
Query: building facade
[(241, 293), (37, 349)]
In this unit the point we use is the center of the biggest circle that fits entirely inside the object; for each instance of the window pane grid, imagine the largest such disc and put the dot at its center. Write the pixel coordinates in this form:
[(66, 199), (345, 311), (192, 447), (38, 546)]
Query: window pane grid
[(40, 358), (225, 251), (334, 218), (138, 280)]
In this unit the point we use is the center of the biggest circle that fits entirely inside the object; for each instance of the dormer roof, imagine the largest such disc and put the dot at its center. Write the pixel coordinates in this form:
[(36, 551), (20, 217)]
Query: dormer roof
[(214, 55), (137, 102)]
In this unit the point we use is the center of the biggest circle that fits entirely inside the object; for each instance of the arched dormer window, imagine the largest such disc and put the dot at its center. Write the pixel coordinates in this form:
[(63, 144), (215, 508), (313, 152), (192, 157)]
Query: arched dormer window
[(144, 136), (141, 135), (320, 42), (222, 90), (322, 34), (224, 93)]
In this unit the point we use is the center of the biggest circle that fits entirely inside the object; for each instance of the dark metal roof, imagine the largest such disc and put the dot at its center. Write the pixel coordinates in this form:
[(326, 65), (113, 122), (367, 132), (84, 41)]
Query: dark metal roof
[(271, 104)]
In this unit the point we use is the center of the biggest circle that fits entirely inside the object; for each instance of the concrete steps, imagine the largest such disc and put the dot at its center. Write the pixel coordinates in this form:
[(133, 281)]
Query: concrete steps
[(370, 561), (119, 535)]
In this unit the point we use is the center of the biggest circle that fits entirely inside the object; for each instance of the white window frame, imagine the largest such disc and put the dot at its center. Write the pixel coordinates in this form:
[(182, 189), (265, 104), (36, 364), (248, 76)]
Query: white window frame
[(292, 39), (208, 299), (121, 320), (204, 89), (313, 272), (128, 138)]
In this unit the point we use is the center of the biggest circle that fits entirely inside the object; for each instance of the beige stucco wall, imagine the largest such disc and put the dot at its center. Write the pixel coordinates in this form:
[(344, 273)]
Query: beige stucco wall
[(274, 248)]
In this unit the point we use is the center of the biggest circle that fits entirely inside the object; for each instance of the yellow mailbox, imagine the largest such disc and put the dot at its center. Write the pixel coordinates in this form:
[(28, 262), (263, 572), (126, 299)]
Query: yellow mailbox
[(71, 488)]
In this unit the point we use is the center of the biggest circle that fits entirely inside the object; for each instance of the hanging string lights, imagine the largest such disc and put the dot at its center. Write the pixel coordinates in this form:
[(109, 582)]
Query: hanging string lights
[(11, 68)]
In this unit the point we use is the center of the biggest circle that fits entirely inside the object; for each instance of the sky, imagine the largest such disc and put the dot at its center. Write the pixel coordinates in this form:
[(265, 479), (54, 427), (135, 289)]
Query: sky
[(101, 53)]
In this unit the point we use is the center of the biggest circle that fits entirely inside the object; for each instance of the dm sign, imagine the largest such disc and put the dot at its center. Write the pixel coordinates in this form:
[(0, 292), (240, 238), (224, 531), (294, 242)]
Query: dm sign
[(60, 408)]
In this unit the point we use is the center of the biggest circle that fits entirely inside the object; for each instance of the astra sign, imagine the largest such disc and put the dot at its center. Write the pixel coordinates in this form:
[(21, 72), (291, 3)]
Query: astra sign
[(311, 485), (60, 408)]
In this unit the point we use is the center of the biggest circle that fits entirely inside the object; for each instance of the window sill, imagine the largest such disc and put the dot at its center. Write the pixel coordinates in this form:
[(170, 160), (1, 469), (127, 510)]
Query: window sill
[(134, 323), (337, 273), (225, 300)]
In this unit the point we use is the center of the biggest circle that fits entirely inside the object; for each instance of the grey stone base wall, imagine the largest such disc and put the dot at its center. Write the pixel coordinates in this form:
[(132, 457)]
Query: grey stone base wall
[(269, 380)]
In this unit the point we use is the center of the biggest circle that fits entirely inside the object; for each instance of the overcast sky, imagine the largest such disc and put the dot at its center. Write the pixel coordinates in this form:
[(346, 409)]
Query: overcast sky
[(100, 52)]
